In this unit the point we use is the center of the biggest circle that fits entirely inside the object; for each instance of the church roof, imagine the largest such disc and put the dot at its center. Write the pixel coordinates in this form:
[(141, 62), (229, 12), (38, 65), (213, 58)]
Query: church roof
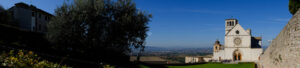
[(231, 19), (217, 43), (237, 27), (258, 38), (230, 30)]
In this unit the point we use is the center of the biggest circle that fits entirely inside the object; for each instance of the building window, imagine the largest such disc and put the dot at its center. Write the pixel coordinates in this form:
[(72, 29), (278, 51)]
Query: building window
[(39, 27), (33, 28), (32, 14), (12, 13), (227, 23), (46, 18)]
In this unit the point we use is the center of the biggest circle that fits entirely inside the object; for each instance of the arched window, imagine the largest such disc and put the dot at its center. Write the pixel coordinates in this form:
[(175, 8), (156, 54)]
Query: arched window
[(228, 23)]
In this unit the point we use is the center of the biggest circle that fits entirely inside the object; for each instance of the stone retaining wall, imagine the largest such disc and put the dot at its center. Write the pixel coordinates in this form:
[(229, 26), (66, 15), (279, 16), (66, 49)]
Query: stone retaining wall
[(284, 51)]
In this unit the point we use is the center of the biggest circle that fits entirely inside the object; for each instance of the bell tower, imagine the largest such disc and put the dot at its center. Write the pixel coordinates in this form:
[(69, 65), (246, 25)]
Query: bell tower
[(217, 46), (229, 24)]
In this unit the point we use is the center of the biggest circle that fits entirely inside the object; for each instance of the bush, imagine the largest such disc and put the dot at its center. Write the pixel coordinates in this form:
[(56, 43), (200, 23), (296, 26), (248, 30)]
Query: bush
[(23, 59)]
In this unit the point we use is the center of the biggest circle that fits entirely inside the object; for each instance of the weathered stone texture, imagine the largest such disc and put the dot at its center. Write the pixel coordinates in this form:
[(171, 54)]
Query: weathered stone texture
[(284, 51)]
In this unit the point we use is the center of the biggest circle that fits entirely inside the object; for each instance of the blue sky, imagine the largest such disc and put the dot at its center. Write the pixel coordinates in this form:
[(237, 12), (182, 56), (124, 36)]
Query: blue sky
[(198, 23)]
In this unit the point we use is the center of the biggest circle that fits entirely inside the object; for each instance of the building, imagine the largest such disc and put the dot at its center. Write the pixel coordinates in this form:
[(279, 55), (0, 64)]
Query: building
[(239, 44), (192, 59), (30, 18), (150, 59), (197, 59)]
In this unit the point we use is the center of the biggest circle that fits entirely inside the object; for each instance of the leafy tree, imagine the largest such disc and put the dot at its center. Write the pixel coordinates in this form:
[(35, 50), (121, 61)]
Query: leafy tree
[(99, 30), (294, 5)]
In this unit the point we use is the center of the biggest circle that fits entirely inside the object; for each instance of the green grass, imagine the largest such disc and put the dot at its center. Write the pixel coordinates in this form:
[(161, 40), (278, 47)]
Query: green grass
[(211, 65), (143, 66)]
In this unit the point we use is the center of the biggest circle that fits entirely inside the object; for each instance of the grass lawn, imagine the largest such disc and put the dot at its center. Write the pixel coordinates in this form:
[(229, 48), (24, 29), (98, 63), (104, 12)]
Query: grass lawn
[(143, 66), (211, 65)]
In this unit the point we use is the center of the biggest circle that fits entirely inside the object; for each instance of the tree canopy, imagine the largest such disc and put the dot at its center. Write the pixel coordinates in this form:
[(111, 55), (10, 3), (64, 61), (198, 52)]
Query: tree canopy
[(294, 5), (99, 30)]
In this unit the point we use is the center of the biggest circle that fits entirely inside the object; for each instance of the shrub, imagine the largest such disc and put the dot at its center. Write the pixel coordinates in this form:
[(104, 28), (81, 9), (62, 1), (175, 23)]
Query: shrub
[(26, 59)]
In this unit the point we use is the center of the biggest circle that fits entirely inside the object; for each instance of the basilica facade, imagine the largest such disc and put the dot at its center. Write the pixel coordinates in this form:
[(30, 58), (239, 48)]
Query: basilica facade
[(239, 44)]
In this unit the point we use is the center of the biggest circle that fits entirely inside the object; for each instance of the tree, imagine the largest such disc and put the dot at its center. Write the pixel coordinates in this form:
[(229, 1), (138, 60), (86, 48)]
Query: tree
[(294, 5), (99, 30)]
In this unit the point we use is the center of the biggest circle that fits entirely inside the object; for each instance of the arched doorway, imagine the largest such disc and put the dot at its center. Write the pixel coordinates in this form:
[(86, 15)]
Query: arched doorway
[(237, 55)]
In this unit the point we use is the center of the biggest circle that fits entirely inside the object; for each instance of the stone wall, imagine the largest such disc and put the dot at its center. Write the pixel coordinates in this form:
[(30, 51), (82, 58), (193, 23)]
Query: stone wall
[(284, 51), (189, 59), (218, 54)]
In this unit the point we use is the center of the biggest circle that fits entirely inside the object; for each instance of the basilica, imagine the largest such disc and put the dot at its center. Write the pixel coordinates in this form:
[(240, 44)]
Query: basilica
[(239, 44)]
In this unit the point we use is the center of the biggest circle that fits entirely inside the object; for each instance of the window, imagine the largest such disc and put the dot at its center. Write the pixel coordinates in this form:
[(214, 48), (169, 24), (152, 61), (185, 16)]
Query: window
[(46, 18), (33, 28), (12, 13), (39, 27), (237, 32), (227, 23), (32, 14)]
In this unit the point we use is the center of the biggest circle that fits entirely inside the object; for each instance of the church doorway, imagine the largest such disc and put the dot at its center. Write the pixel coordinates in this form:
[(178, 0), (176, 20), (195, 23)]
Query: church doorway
[(237, 56)]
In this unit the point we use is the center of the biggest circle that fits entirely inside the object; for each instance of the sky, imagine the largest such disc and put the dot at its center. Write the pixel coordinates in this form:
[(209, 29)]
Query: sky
[(198, 23)]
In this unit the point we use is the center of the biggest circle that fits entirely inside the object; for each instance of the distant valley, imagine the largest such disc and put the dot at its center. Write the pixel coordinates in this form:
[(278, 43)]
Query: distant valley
[(160, 51)]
